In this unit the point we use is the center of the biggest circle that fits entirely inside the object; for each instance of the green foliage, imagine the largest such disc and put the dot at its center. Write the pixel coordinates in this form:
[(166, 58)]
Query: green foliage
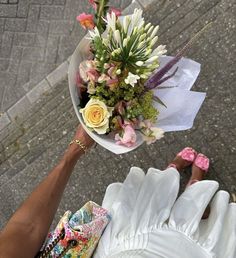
[(100, 53), (122, 92), (148, 110)]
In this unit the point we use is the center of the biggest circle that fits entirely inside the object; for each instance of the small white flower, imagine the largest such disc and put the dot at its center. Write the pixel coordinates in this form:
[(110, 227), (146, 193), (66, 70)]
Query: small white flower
[(157, 132), (139, 63), (132, 79)]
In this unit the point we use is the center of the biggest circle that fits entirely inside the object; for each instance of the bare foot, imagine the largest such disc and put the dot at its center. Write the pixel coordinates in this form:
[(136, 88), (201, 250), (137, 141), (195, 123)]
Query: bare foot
[(180, 163)]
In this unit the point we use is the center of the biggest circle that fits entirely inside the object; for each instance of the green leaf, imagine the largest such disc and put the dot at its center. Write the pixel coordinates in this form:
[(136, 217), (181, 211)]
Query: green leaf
[(159, 101)]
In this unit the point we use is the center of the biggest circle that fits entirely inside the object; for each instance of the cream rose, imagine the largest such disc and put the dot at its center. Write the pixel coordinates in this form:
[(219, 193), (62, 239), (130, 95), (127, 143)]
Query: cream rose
[(96, 115)]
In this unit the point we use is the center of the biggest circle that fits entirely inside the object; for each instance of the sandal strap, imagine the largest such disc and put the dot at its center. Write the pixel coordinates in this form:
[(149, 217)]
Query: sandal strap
[(171, 165)]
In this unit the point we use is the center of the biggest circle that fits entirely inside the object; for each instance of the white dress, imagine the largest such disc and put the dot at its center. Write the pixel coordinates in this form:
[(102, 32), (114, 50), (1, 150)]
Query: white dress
[(148, 220)]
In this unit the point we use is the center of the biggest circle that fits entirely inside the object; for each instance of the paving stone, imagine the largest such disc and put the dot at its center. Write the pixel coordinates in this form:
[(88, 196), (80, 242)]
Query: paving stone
[(16, 53), (7, 38), (4, 120), (32, 20), (19, 109), (61, 27), (59, 2), (40, 89), (41, 2), (15, 24), (23, 7), (131, 7), (24, 72), (38, 72), (24, 39), (8, 10), (51, 51), (2, 23), (58, 74), (33, 53), (4, 64), (52, 12)]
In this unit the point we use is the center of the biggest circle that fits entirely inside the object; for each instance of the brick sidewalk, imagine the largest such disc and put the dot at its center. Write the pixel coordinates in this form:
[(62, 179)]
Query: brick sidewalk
[(35, 37), (33, 144)]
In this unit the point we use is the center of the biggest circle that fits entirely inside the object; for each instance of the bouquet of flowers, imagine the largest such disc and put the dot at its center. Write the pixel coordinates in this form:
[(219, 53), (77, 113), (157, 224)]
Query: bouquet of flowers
[(117, 80)]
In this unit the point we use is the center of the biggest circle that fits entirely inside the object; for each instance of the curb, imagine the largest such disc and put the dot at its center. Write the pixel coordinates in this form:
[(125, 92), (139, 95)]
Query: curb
[(20, 108)]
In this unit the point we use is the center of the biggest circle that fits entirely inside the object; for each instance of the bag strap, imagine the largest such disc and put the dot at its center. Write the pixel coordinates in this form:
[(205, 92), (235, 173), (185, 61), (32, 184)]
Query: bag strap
[(47, 250)]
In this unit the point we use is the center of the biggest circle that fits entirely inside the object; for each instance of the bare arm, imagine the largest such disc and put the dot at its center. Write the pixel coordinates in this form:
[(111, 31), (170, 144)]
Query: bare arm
[(26, 231)]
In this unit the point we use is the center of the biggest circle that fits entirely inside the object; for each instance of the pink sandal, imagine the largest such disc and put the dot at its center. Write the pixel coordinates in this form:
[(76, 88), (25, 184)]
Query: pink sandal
[(202, 162), (188, 154)]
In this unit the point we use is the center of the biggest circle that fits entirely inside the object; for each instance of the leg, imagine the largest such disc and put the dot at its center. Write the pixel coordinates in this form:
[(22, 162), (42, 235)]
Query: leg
[(199, 169)]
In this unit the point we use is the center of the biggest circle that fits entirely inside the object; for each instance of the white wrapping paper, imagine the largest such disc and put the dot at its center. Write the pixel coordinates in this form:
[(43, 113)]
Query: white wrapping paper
[(182, 104)]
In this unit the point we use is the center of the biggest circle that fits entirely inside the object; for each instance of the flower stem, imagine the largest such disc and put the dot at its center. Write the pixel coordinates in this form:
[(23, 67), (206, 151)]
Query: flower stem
[(100, 13)]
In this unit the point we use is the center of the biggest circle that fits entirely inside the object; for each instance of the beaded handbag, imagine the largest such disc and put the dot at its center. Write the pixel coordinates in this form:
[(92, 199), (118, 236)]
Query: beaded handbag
[(77, 235)]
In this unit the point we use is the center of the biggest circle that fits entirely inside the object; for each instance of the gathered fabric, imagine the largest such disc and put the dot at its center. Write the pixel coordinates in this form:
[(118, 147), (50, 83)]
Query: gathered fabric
[(150, 220)]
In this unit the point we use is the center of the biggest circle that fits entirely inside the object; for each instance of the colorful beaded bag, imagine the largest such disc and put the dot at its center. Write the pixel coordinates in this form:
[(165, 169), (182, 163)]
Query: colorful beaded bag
[(77, 235)]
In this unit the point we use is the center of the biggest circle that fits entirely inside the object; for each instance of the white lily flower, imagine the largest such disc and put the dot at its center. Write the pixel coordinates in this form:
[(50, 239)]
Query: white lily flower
[(154, 41), (148, 26), (160, 50), (125, 42), (111, 21), (155, 31), (136, 17), (152, 59), (143, 36), (141, 44), (94, 33), (126, 23), (132, 79), (150, 29), (117, 36), (141, 23)]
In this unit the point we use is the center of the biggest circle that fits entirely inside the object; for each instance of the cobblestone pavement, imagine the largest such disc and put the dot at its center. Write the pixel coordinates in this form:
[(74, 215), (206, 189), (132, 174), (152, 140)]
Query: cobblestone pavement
[(35, 37), (32, 145)]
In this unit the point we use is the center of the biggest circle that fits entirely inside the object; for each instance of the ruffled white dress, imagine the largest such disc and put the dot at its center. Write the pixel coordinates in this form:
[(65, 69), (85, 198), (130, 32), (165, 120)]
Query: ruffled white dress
[(148, 220)]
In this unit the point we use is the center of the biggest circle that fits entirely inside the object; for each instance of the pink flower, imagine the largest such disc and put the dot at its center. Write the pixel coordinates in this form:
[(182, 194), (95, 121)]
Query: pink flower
[(86, 21), (88, 71), (94, 5), (112, 83), (128, 137), (116, 11), (112, 72), (93, 75)]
